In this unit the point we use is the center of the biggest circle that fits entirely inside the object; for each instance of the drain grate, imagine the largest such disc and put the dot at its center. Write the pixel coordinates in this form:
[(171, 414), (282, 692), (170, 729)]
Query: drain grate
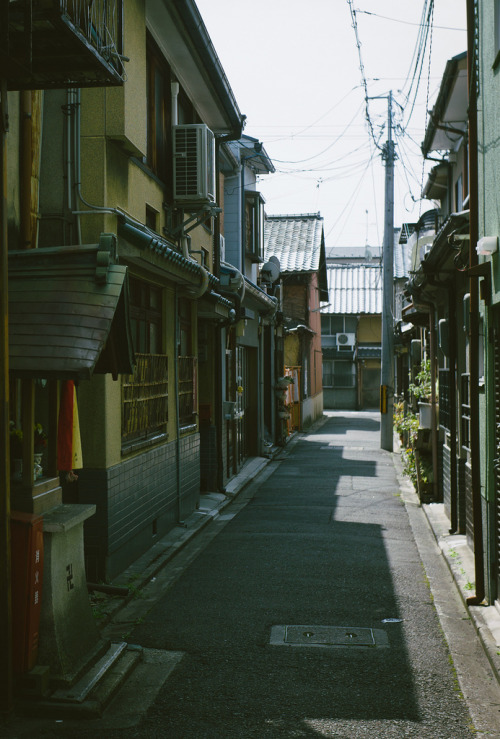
[(328, 636)]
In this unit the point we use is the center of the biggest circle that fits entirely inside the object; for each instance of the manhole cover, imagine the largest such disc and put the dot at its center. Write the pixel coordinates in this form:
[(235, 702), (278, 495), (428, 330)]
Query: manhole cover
[(328, 636)]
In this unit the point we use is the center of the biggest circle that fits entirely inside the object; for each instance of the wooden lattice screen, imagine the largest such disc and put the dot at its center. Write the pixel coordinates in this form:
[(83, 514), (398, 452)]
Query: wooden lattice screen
[(145, 398)]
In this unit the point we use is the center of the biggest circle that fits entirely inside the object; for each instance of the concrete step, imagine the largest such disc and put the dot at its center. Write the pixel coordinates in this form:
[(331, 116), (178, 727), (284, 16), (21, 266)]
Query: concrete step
[(90, 695)]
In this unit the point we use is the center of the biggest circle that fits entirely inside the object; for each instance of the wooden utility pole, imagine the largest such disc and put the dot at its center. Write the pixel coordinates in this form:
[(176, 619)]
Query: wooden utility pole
[(387, 369)]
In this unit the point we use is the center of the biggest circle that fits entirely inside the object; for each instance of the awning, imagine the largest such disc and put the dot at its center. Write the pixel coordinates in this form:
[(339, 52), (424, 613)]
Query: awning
[(68, 312)]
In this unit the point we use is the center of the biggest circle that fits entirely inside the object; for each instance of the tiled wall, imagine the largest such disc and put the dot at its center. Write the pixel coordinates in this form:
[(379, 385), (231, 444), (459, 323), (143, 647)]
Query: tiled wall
[(137, 503)]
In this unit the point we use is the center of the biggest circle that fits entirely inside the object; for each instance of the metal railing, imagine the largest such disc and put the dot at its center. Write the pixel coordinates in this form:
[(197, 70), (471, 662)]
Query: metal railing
[(99, 21)]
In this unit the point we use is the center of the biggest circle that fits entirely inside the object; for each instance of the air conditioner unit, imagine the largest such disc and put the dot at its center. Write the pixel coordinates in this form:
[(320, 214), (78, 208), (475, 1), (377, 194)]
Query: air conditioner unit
[(194, 164), (346, 341)]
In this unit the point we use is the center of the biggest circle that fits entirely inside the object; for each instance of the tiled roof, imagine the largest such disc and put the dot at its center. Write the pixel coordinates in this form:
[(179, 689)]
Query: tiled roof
[(296, 240), (354, 289)]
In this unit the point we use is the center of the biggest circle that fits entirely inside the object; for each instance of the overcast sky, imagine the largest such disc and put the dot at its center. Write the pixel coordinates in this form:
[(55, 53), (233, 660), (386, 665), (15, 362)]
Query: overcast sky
[(294, 69)]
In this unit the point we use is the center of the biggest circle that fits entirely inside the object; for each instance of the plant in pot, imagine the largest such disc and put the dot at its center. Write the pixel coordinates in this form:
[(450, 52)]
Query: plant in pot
[(421, 391)]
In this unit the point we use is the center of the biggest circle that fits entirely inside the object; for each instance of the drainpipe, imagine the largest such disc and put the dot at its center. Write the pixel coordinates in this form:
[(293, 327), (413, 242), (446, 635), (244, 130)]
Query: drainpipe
[(434, 435), (453, 416), (201, 290), (174, 92), (475, 450), (177, 420), (26, 156)]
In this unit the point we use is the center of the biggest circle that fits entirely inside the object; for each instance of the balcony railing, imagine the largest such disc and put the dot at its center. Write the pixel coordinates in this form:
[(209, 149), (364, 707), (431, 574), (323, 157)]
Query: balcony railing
[(145, 398), (61, 43)]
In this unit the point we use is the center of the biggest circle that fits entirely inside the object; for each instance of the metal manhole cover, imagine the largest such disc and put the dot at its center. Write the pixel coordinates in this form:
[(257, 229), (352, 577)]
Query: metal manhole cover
[(328, 636)]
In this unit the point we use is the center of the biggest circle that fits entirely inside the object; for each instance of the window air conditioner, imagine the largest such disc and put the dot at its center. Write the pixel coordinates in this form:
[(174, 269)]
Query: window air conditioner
[(346, 341), (194, 164)]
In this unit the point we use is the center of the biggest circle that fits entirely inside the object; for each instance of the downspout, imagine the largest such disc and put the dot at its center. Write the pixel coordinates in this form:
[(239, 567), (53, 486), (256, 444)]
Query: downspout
[(475, 449), (177, 419), (92, 209), (201, 290), (218, 416), (453, 416), (434, 434), (26, 154)]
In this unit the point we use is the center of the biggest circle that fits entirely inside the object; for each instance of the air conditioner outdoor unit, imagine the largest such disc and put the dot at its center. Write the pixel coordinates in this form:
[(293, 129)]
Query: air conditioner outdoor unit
[(345, 341), (194, 164)]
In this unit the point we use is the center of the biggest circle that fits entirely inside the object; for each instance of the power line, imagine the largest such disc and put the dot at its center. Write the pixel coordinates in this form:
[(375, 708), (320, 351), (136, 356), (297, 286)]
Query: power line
[(363, 76), (407, 23)]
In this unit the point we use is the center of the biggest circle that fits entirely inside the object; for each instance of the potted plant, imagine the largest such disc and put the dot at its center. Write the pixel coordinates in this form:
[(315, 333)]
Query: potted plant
[(421, 390)]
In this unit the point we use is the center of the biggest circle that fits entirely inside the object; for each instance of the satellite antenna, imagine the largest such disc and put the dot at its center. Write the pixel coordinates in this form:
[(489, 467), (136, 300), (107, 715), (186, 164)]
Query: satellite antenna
[(270, 271)]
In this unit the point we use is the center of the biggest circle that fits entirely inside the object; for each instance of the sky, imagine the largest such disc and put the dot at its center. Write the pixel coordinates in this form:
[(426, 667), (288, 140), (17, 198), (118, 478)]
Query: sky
[(294, 68)]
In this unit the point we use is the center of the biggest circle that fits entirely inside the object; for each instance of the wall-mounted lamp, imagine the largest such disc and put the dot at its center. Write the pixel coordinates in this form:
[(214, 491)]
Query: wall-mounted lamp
[(487, 246)]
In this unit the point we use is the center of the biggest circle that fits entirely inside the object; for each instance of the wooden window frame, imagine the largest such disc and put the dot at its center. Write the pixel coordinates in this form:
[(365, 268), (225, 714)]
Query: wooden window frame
[(159, 115), (145, 392)]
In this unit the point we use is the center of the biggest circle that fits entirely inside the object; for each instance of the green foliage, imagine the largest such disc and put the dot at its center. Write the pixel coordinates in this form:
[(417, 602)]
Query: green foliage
[(421, 388), (426, 472), (409, 464)]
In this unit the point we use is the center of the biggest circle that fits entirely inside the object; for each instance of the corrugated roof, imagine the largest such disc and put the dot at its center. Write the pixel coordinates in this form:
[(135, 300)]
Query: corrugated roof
[(296, 240), (354, 289), (402, 261)]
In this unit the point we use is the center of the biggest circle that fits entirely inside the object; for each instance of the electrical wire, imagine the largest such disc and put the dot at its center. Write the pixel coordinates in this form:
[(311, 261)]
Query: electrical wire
[(363, 76), (407, 23)]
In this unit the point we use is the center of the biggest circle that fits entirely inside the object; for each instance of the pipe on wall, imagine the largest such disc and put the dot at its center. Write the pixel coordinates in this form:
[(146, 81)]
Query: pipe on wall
[(475, 444)]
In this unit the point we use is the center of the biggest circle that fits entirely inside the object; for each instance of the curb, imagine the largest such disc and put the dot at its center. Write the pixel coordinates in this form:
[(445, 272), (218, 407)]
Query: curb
[(459, 559)]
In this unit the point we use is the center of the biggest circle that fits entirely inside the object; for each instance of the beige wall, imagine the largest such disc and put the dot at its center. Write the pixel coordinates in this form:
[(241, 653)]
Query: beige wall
[(369, 329)]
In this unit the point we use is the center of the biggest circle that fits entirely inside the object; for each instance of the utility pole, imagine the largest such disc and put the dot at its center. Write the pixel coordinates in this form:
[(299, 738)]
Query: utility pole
[(387, 369)]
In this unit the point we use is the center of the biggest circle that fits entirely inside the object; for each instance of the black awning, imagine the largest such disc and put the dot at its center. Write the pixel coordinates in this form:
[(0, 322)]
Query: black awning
[(68, 312)]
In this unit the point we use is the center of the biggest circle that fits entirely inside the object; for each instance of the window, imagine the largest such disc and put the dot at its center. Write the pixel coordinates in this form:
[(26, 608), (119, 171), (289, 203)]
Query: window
[(151, 218), (465, 412), (339, 373), (254, 225), (444, 398), (145, 316), (335, 324), (159, 114), (187, 378), (145, 392)]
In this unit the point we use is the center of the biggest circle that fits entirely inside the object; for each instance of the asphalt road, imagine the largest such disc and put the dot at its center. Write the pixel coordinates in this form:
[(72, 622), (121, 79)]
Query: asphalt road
[(318, 556)]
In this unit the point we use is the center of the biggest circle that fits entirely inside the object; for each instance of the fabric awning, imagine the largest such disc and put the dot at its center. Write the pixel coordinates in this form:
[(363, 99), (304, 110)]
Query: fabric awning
[(68, 312)]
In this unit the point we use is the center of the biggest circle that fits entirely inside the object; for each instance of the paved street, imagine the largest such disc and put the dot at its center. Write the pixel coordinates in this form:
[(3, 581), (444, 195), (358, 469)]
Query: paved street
[(318, 556)]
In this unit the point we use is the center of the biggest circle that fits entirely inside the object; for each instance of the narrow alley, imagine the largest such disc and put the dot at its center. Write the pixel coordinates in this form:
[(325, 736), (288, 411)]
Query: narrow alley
[(304, 609)]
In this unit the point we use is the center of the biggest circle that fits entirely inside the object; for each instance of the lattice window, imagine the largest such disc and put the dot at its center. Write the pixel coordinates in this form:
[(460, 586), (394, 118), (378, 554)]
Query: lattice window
[(145, 398), (187, 390), (444, 398), (465, 411)]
